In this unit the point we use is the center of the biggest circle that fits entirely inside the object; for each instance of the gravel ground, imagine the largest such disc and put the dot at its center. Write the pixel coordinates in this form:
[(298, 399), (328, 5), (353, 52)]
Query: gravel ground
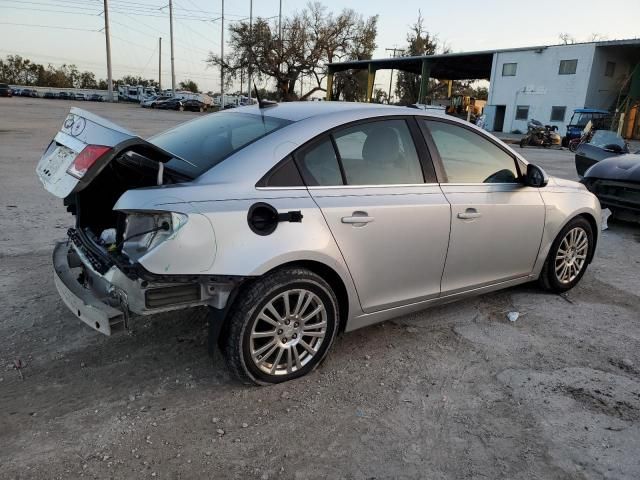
[(454, 392)]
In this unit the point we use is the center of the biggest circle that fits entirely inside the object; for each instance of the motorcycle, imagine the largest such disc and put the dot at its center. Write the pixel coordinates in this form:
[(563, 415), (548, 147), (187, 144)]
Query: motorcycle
[(539, 135), (587, 133)]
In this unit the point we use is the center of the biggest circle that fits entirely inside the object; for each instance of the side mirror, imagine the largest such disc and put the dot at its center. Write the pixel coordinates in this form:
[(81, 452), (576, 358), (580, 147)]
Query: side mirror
[(535, 177)]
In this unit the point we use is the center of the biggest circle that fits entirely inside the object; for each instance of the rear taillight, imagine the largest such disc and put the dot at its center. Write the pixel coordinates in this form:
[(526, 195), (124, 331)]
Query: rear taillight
[(85, 159)]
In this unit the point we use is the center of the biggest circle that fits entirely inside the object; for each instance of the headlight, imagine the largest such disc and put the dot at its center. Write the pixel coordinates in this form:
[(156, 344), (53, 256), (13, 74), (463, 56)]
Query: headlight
[(145, 230)]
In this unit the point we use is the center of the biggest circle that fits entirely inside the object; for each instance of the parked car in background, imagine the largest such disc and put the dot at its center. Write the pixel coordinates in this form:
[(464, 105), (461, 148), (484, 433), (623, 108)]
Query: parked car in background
[(80, 96), (616, 183), (169, 104), (28, 92), (16, 91), (96, 97), (600, 119), (600, 145), (63, 95), (49, 95), (71, 95), (299, 220), (193, 105), (148, 102), (5, 90)]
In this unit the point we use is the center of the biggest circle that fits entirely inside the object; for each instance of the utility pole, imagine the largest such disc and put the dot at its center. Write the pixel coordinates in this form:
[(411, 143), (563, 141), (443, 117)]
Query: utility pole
[(280, 26), (280, 39), (160, 63), (222, 58), (394, 49), (173, 67), (106, 34), (251, 54)]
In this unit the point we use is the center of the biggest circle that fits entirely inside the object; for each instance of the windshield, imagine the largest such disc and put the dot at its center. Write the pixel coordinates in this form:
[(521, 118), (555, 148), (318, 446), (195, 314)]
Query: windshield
[(207, 141), (581, 119), (603, 138)]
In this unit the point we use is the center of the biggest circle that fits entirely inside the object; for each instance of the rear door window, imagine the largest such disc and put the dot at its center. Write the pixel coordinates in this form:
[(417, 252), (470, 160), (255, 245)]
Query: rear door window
[(379, 153), (319, 164)]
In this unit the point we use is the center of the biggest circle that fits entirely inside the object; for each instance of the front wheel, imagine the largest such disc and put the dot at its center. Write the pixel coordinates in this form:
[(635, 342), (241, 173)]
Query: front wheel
[(568, 257), (281, 327)]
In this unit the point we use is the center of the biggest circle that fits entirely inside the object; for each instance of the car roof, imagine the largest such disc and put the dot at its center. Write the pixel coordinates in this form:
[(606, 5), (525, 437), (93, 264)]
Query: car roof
[(590, 110), (295, 111)]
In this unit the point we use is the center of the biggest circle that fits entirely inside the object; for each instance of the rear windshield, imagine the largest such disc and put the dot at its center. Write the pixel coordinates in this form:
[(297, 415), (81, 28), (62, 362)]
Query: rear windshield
[(207, 141)]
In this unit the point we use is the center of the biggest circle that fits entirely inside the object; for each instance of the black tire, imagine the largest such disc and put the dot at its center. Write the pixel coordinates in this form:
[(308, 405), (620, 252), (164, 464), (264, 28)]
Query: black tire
[(523, 142), (548, 279), (248, 305), (573, 146)]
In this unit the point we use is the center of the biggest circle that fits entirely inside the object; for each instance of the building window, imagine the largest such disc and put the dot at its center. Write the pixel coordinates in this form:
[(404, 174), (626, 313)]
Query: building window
[(568, 67), (522, 112), (610, 69), (509, 69), (557, 114)]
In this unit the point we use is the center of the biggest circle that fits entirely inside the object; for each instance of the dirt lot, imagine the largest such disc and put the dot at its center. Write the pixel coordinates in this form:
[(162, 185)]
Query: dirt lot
[(454, 392)]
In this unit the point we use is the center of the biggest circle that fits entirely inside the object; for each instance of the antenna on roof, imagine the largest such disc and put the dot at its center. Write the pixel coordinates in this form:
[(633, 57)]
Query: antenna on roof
[(262, 103)]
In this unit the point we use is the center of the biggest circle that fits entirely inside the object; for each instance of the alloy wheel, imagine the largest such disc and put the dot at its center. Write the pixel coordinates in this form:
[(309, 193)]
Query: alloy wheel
[(571, 255), (288, 332)]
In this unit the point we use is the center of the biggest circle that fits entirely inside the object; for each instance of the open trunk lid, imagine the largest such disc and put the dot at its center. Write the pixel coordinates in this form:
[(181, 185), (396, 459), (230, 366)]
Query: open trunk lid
[(85, 144)]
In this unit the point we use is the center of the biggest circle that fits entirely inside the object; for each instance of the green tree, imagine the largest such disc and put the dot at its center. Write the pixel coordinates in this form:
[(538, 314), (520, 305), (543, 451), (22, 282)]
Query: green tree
[(189, 85), (420, 42), (136, 80)]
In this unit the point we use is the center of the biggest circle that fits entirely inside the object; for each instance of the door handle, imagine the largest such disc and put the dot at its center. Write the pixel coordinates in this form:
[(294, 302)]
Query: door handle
[(358, 218), (469, 213)]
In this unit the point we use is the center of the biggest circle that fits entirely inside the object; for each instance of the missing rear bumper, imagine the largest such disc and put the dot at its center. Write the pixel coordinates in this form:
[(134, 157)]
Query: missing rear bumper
[(82, 302), (104, 301)]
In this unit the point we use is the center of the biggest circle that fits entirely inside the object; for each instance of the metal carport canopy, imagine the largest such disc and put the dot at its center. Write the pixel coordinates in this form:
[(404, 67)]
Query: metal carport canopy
[(447, 66)]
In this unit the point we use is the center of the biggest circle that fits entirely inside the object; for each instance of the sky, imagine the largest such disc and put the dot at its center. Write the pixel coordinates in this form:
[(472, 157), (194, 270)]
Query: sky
[(70, 31)]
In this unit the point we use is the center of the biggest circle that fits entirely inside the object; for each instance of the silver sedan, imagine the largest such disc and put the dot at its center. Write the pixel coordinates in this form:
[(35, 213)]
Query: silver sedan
[(297, 221)]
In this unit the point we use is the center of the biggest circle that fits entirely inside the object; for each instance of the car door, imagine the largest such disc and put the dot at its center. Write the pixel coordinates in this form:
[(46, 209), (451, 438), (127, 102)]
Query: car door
[(496, 221), (391, 226)]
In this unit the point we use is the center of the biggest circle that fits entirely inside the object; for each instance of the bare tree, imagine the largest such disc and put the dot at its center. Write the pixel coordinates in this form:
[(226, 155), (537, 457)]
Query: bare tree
[(566, 38), (310, 40)]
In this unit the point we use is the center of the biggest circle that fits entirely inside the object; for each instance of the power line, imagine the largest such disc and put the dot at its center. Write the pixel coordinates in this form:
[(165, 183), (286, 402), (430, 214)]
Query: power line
[(49, 26), (81, 9)]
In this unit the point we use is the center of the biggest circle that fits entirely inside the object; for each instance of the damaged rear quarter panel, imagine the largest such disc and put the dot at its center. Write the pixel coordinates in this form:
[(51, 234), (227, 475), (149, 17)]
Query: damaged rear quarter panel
[(191, 250)]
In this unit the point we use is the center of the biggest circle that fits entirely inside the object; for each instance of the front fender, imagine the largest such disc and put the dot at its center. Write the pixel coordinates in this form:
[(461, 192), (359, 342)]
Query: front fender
[(560, 208)]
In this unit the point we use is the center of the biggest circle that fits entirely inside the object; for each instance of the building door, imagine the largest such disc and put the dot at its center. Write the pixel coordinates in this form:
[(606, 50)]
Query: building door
[(498, 124)]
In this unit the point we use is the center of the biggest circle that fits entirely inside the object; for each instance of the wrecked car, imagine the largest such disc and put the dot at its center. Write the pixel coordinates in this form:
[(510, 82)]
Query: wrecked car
[(601, 144), (296, 221), (616, 183)]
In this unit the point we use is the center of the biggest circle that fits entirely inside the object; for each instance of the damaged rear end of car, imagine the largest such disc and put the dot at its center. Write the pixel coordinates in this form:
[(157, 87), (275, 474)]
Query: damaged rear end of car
[(122, 257)]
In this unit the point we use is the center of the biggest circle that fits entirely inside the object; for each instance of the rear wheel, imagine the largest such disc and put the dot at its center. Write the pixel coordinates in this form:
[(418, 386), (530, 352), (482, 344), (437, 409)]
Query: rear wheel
[(523, 142), (569, 256), (281, 328)]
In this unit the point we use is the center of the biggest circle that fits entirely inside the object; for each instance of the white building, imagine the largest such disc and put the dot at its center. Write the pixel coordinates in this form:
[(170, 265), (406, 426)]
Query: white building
[(545, 83), (548, 83)]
